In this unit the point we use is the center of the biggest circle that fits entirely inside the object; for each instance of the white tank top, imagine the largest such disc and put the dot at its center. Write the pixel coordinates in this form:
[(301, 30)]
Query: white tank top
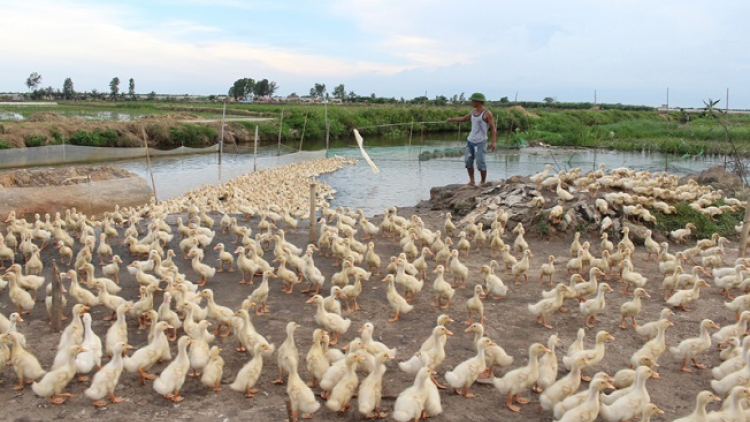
[(479, 128)]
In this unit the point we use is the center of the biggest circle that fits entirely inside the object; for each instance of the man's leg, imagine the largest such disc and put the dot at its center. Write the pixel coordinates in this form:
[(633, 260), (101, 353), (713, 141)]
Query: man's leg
[(470, 170), (469, 161), (481, 163)]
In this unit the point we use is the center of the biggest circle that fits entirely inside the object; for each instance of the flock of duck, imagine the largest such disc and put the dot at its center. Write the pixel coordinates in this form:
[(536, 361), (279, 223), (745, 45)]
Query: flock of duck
[(252, 210)]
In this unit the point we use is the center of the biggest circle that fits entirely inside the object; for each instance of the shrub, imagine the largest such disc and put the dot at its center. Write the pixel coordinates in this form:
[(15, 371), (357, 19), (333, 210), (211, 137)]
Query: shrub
[(36, 141), (5, 144), (96, 138), (194, 136), (56, 136)]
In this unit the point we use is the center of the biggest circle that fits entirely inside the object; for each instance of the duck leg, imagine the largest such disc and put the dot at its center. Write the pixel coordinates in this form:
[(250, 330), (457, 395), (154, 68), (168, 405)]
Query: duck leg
[(20, 385), (684, 367), (698, 365), (395, 317), (509, 404), (437, 384), (281, 377), (623, 323)]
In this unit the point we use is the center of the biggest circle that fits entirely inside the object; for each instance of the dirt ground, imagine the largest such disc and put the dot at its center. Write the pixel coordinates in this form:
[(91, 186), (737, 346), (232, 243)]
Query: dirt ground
[(508, 322)]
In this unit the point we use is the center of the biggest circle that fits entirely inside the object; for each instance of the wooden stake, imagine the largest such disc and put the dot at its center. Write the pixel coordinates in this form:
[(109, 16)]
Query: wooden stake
[(313, 223), (148, 161), (56, 312), (281, 126), (255, 153), (304, 126), (745, 231)]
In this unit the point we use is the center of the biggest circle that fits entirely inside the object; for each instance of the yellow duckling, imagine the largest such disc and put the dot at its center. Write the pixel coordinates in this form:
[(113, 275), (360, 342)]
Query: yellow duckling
[(465, 374), (475, 306), (315, 360), (563, 194), (589, 409), (692, 347), (679, 235), (332, 322), (518, 380), (248, 376), (54, 382), (547, 366), (222, 314), (508, 259), (92, 355), (449, 227), (25, 364), (653, 348), (494, 355), (213, 371), (410, 403), (397, 302), (565, 386), (117, 332), (732, 408), (171, 379), (629, 405), (632, 308), (301, 397), (106, 379), (699, 414), (493, 284), (548, 269), (287, 352), (199, 353), (411, 284), (370, 391), (205, 271), (146, 357), (442, 288), (343, 391), (593, 356), (547, 306), (20, 297), (372, 259), (739, 377), (684, 297), (591, 307), (77, 292), (522, 267), (224, 258), (650, 329)]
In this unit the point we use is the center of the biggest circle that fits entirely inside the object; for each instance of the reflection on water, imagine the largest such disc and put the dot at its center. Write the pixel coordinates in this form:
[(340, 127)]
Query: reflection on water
[(403, 180)]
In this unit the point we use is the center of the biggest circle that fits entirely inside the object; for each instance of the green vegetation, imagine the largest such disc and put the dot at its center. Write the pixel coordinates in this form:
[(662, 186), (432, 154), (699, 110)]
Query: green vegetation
[(194, 136), (632, 128), (95, 138), (724, 223), (5, 144), (36, 141)]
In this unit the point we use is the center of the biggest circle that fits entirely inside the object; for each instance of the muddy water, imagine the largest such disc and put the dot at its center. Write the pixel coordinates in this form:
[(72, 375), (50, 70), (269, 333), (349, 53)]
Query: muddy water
[(403, 179)]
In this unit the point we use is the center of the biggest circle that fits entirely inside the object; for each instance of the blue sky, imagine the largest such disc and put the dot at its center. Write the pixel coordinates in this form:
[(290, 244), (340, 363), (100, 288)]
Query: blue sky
[(628, 51)]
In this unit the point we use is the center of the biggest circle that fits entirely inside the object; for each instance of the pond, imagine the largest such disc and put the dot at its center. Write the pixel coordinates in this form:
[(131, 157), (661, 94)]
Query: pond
[(403, 180)]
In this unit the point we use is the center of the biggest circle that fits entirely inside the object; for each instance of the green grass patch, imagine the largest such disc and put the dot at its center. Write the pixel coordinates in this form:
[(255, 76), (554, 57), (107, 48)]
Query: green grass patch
[(36, 141), (5, 144), (95, 138), (705, 227), (193, 136)]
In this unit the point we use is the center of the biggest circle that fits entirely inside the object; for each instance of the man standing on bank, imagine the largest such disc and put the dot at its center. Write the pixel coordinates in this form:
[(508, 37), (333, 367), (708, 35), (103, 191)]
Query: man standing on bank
[(476, 143)]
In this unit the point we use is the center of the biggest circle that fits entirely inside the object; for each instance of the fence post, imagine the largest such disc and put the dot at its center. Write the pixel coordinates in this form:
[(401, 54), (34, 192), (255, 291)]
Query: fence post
[(313, 226), (56, 312)]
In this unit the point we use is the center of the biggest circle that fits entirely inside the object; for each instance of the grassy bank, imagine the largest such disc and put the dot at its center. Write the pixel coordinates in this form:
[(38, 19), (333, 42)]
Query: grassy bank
[(618, 127)]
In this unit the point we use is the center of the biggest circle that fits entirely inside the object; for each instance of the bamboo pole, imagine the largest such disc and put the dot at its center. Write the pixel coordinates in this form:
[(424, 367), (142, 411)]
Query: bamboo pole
[(411, 130), (745, 231), (281, 126), (56, 311), (304, 126), (313, 226), (221, 139), (148, 161), (328, 132), (255, 153)]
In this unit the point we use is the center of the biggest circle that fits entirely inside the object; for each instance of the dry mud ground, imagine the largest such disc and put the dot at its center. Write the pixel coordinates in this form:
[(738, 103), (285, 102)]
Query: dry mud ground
[(508, 322)]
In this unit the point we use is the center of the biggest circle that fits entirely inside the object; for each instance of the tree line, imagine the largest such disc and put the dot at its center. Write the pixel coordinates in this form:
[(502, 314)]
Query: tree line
[(69, 93)]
